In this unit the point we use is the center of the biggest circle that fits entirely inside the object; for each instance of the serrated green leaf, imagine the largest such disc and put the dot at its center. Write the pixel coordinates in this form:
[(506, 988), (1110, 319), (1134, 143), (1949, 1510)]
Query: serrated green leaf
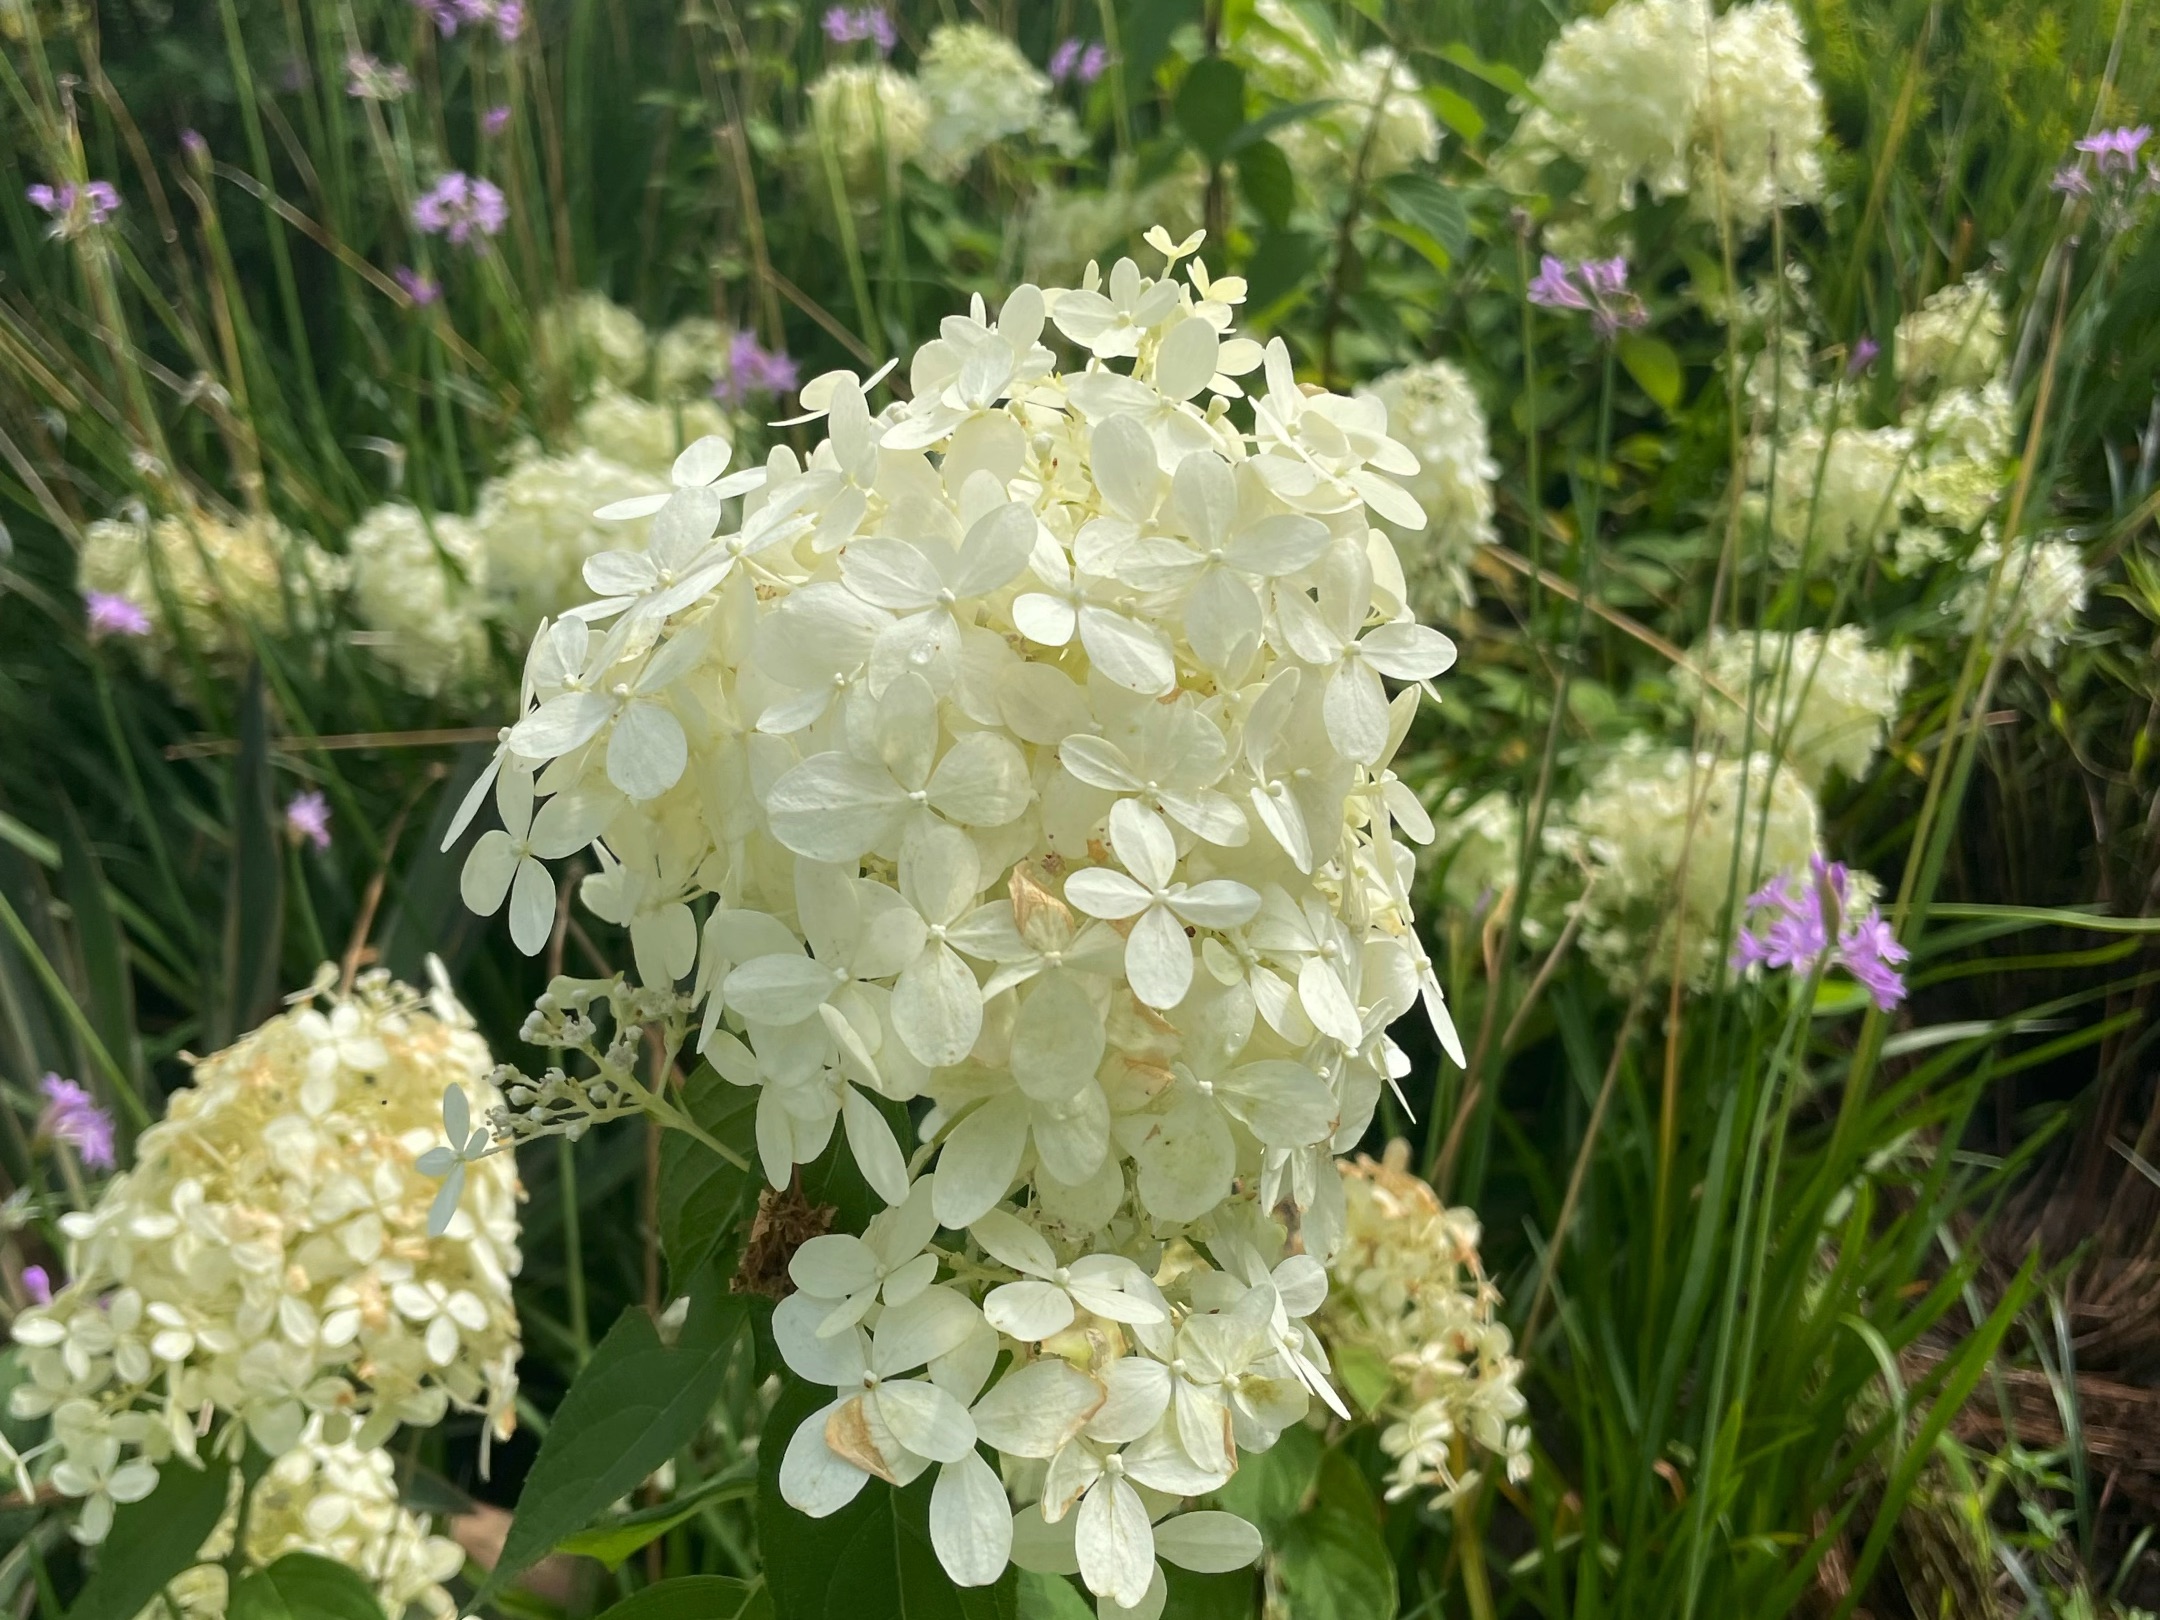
[(637, 1402), (870, 1561), (616, 1540), (1435, 209), (1211, 105), (154, 1540), (301, 1586), (1331, 1559), (703, 1198), (696, 1597), (1654, 366), (1265, 181)]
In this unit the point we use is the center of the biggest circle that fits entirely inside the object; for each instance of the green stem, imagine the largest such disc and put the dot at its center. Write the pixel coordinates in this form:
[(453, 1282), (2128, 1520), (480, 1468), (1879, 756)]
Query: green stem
[(573, 1248)]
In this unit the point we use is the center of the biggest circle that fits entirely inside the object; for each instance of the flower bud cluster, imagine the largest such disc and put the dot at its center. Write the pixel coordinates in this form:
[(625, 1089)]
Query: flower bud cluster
[(265, 1264), (1022, 754)]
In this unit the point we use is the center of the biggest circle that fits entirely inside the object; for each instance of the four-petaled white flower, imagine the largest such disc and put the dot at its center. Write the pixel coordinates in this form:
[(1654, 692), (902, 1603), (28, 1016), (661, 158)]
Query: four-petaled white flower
[(1158, 955)]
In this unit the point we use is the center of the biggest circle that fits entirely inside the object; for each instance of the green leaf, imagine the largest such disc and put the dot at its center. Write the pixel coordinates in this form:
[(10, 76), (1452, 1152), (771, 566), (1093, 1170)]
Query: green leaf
[(696, 1597), (1497, 74), (703, 1198), (1270, 1490), (1278, 273), (154, 1540), (301, 1586), (1265, 181), (1051, 1597), (1211, 105), (870, 1561), (616, 1540), (1232, 1595), (638, 1402), (1435, 209), (1655, 368), (255, 880), (110, 987), (1259, 129), (1458, 112), (1333, 1563), (1365, 1374)]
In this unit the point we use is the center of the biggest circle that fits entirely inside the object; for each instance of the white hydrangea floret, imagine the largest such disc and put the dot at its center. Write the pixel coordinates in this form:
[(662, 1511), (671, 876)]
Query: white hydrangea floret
[(1434, 412)]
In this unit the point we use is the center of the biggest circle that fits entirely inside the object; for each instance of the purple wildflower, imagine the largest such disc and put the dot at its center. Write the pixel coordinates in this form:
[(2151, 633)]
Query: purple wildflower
[(307, 815), (1596, 285), (1093, 61), (72, 1116), (369, 78), (753, 370), (2072, 181), (421, 289), (2115, 151), (37, 1285), (193, 144), (495, 120), (1798, 921), (506, 17), (846, 25), (111, 615), (459, 206), (1080, 63), (1863, 355), (75, 209)]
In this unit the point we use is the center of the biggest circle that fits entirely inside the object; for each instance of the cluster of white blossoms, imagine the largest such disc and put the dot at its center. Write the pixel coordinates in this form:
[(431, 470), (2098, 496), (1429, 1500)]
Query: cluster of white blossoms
[(420, 587), (1066, 227), (1022, 753), (1480, 851), (1825, 702), (871, 118), (1671, 98), (2039, 601), (1411, 1299), (205, 582), (265, 1270), (1957, 338), (338, 1502), (596, 339), (1434, 413), (1373, 119), (1669, 840)]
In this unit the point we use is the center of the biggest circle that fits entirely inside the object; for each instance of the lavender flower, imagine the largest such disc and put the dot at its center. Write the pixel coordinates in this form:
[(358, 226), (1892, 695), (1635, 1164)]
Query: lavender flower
[(421, 289), (459, 207), (846, 25), (369, 78), (506, 17), (2072, 181), (495, 120), (37, 1284), (753, 370), (2115, 151), (111, 615), (1597, 286), (73, 1117), (75, 209), (1863, 356), (1799, 921), (1078, 63), (307, 815)]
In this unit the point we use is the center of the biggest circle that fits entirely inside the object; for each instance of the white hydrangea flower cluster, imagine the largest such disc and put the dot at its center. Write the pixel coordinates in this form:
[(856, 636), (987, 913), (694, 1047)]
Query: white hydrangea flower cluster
[(596, 339), (688, 358), (2039, 602), (1376, 115), (1835, 491), (1065, 228), (268, 1257), (335, 1501), (1669, 840), (982, 90), (1826, 700), (1434, 413), (535, 527), (1411, 1298), (1668, 98), (1026, 750), (204, 582), (1481, 845), (647, 435), (871, 117), (1957, 338), (420, 587)]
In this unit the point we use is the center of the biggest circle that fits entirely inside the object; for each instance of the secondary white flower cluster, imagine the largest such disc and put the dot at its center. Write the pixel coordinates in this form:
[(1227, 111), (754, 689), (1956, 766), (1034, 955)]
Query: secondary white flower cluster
[(1668, 97), (267, 1257), (2039, 601), (1411, 1300), (1373, 119), (1434, 413), (596, 338), (335, 1501), (1957, 338), (1026, 751), (1066, 227), (1669, 841), (1825, 701), (204, 582)]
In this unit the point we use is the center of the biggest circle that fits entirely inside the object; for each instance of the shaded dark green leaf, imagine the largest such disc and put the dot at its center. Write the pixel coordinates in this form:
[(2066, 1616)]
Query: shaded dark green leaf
[(1051, 1597), (154, 1540), (695, 1597), (616, 1540), (1269, 1490), (1331, 1558), (1275, 275), (1654, 366), (1211, 105), (1265, 181), (301, 1586), (703, 1198), (1434, 208), (109, 990)]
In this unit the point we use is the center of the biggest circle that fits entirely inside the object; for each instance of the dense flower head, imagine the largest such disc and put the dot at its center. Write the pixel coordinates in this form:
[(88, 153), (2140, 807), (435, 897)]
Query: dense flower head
[(420, 594), (870, 118), (1660, 834), (1758, 146), (369, 78), (1434, 413), (852, 25), (1596, 287), (72, 1116), (307, 818), (1834, 491), (641, 434), (1373, 119), (1826, 700), (982, 90), (535, 528), (596, 339), (1823, 916), (2039, 601), (754, 372), (200, 582), (74, 208), (265, 1266), (1065, 227), (1411, 1301), (2116, 151), (1956, 338), (461, 208), (1025, 750)]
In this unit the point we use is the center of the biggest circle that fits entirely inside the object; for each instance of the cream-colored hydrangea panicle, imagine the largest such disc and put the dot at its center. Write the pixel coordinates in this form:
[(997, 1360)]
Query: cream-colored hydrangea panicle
[(688, 358), (1957, 338), (1412, 1312), (1835, 490), (1964, 438), (1663, 98), (981, 90), (338, 1502), (266, 1262), (871, 118), (420, 592), (204, 582), (1480, 848), (1375, 117), (535, 526), (1066, 227), (1434, 412), (1670, 842), (595, 340), (1023, 750), (2038, 602), (1825, 701), (644, 435)]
